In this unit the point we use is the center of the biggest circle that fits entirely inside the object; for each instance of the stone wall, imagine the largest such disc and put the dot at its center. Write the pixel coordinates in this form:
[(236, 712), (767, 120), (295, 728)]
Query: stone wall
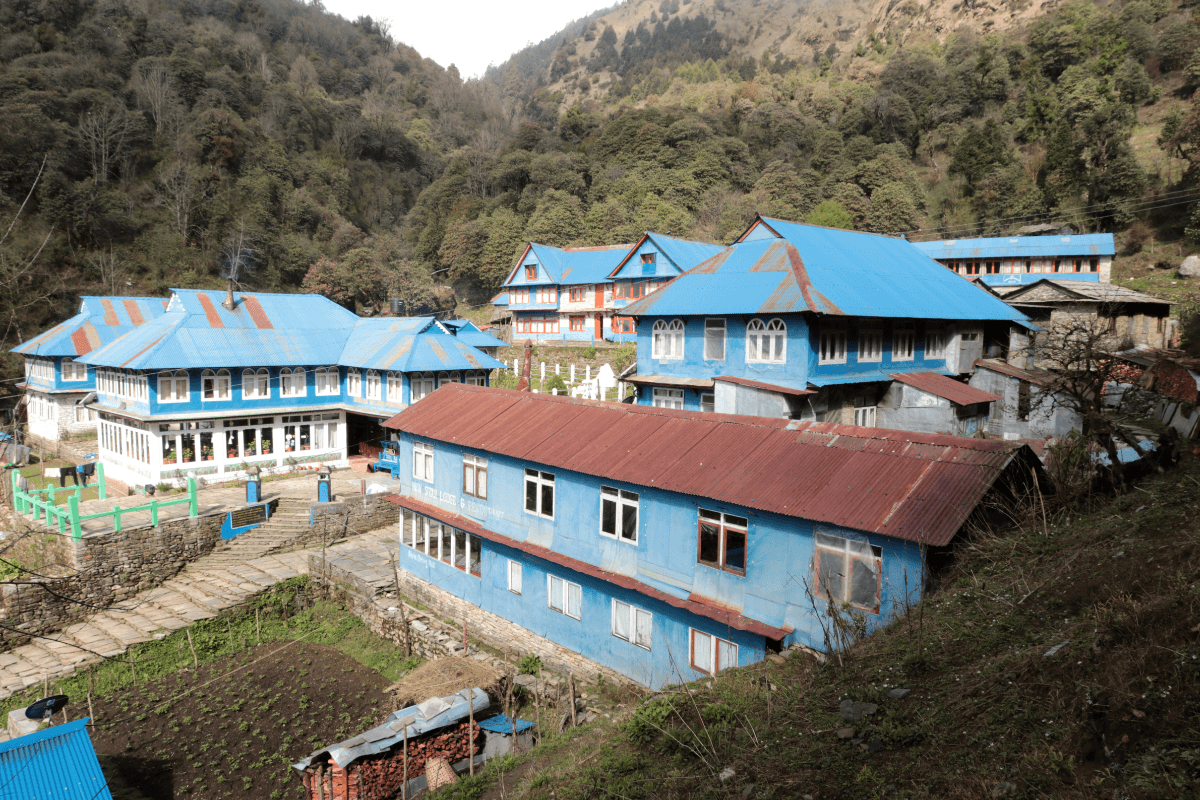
[(432, 637), (346, 517)]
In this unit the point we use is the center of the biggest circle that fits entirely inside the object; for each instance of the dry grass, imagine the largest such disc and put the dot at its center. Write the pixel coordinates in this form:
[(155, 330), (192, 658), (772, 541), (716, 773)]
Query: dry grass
[(443, 677)]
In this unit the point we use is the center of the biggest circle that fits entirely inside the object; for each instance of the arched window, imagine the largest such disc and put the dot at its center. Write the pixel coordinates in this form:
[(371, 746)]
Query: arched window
[(395, 387), (353, 383), (214, 385), (372, 385), (421, 386), (256, 385), (173, 388), (667, 341), (766, 343), (327, 380), (452, 377), (291, 382)]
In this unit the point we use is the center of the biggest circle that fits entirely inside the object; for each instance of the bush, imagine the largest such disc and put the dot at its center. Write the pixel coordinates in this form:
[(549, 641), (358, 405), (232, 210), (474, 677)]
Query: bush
[(648, 721), (530, 665)]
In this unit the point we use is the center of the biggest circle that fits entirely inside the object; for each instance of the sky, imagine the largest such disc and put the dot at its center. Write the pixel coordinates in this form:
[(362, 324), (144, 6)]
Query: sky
[(469, 33)]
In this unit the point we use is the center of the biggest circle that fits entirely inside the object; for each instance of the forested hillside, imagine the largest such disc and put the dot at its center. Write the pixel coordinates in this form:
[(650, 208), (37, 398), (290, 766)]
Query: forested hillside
[(166, 137)]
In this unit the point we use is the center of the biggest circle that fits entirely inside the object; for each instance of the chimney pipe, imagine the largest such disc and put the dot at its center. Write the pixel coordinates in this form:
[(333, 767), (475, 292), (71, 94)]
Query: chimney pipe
[(229, 303), (523, 385)]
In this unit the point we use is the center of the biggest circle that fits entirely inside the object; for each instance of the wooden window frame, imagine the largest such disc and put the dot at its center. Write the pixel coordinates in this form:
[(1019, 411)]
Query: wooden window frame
[(714, 666), (425, 451), (724, 525), (848, 555), (475, 466)]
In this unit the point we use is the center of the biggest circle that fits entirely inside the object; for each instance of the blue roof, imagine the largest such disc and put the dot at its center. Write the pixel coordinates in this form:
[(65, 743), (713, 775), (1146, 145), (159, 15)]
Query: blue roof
[(100, 321), (882, 374), (57, 762), (501, 299), (1080, 244), (571, 266), (468, 332), (825, 271), (502, 723), (682, 253), (392, 344)]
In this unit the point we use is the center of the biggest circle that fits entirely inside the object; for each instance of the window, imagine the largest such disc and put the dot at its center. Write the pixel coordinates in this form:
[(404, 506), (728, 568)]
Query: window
[(970, 337), (870, 346), (354, 383), (327, 380), (292, 382), (714, 340), (722, 541), (1024, 399), (766, 343), (902, 345), (459, 549), (547, 294), (1093, 265), (537, 325), (531, 272), (421, 385), (173, 387), (373, 386), (475, 476), (518, 296), (623, 325), (833, 347), (256, 385), (72, 371), (709, 654), (935, 344), (668, 339), (577, 323), (514, 576), (668, 398), (647, 258), (864, 412), (215, 385), (564, 597), (578, 294), (539, 493), (619, 514), (848, 571), (631, 623), (708, 402), (423, 461), (475, 378), (395, 387)]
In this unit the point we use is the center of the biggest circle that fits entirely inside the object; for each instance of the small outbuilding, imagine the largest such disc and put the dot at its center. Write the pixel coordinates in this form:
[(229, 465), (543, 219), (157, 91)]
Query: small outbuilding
[(57, 762)]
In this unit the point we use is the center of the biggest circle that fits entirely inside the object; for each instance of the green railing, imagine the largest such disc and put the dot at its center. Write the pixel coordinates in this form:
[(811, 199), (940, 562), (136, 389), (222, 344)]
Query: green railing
[(42, 504)]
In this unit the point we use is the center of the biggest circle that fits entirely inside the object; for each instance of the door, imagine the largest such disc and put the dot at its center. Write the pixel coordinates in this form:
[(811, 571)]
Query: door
[(600, 323), (599, 295)]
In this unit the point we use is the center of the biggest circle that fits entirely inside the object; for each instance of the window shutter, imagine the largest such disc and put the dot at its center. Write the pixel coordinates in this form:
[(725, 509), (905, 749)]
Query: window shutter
[(726, 655), (574, 600), (621, 621), (644, 625), (702, 655)]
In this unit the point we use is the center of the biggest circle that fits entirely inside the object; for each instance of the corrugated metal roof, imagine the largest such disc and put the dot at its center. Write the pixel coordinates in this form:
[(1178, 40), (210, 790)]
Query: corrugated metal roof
[(375, 346), (770, 387), (501, 299), (885, 372), (1041, 377), (682, 253), (469, 333), (824, 271), (58, 762), (571, 266), (1079, 244), (670, 380), (1095, 292), (942, 386), (693, 603), (914, 486), (100, 320)]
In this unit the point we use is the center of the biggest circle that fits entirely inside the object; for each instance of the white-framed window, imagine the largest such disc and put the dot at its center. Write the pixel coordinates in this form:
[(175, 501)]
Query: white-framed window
[(833, 347), (864, 412), (423, 461), (619, 514), (373, 385), (395, 387), (422, 385), (848, 571), (970, 337), (667, 339), (73, 370), (293, 382), (475, 378), (721, 541), (514, 576), (710, 654), (256, 385), (766, 343), (632, 624), (668, 398), (448, 377), (353, 383), (708, 402), (475, 476), (870, 346), (173, 387), (935, 344), (326, 380), (215, 385), (902, 345), (445, 543), (714, 339), (564, 597), (539, 493), (546, 294)]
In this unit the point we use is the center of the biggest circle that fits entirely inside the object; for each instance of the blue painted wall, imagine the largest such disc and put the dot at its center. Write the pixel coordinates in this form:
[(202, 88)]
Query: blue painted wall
[(779, 562), (663, 267), (56, 382), (794, 372)]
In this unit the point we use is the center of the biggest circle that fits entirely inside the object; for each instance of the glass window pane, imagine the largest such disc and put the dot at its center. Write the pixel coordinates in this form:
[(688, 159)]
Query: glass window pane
[(447, 540), (548, 500), (621, 620), (864, 584), (460, 549), (726, 655), (830, 574), (468, 479), (514, 576), (608, 516), (531, 496), (644, 626), (735, 549), (710, 543), (556, 593), (702, 651), (629, 523), (574, 599), (476, 545), (481, 483)]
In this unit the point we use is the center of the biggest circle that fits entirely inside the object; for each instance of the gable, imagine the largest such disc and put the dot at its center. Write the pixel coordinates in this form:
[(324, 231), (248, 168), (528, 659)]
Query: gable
[(647, 260), (1042, 293)]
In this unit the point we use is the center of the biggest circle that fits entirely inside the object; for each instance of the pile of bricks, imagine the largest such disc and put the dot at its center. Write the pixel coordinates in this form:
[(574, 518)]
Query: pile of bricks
[(380, 776)]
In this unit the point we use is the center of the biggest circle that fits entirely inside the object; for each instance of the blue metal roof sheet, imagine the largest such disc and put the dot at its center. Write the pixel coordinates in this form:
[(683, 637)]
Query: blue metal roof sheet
[(1080, 244), (501, 299), (469, 333), (682, 253), (375, 344), (100, 321), (571, 266), (58, 762), (882, 374), (503, 723), (825, 271)]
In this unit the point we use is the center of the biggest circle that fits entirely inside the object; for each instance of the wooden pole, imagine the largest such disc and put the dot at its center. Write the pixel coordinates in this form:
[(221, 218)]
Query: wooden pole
[(229, 627), (471, 734), (133, 667), (404, 783), (91, 711), (257, 626), (574, 722), (45, 686), (192, 647)]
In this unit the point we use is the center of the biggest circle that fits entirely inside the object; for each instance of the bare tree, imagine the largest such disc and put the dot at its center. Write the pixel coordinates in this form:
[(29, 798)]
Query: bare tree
[(19, 291), (155, 89), (180, 188), (239, 254), (104, 131), (303, 73), (109, 267), (249, 48)]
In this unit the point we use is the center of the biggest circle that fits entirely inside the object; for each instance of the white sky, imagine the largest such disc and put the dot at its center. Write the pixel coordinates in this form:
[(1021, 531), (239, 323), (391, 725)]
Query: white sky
[(469, 33)]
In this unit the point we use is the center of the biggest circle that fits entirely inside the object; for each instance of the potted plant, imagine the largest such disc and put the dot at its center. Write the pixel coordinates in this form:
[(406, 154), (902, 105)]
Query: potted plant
[(206, 453), (266, 447), (187, 454)]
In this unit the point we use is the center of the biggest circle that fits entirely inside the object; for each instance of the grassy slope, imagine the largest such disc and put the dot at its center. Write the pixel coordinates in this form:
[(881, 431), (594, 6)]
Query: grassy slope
[(1114, 713)]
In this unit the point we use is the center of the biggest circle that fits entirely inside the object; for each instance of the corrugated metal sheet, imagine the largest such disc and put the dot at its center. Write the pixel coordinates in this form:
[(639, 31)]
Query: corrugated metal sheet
[(1099, 292), (468, 332), (942, 386), (57, 763), (100, 320), (1041, 377), (692, 603), (572, 266), (682, 253), (914, 486), (882, 373), (824, 271), (1083, 244), (770, 387), (670, 380)]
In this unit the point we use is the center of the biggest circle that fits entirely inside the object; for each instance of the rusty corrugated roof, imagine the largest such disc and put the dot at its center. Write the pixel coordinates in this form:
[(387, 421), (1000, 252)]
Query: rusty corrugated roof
[(914, 486), (770, 387), (937, 384)]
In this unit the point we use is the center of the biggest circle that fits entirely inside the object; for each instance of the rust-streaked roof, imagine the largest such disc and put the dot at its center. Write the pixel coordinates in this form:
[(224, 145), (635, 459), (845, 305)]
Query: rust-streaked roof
[(669, 380), (694, 603), (937, 384), (1041, 377), (914, 486), (770, 387)]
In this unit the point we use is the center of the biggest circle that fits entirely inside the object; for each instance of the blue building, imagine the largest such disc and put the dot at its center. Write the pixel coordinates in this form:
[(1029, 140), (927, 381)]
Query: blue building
[(58, 762), (803, 322), (219, 383), (56, 382), (654, 261), (1011, 261), (669, 544)]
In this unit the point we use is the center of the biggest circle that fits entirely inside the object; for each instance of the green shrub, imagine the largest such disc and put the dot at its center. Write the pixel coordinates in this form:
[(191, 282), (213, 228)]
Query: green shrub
[(530, 665), (649, 721)]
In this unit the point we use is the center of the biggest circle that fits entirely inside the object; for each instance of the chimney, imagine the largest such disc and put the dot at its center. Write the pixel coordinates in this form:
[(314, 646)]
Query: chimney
[(229, 303), (523, 385)]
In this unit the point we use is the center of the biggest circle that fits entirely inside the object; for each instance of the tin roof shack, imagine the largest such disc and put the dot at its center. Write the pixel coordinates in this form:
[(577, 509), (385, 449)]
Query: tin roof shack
[(1009, 261), (58, 762), (1128, 318), (56, 383), (802, 322), (1025, 408), (372, 764), (667, 544), (933, 403)]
